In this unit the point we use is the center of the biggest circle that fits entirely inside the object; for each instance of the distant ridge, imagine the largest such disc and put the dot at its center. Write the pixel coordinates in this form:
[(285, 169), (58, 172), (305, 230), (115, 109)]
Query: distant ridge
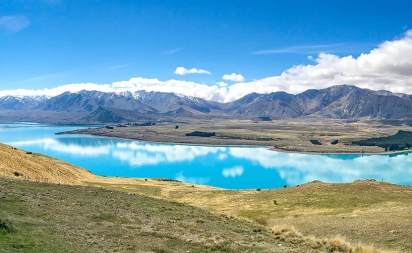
[(340, 102)]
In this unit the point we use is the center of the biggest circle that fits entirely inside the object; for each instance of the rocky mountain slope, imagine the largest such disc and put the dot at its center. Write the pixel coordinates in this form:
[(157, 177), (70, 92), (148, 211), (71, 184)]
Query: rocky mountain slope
[(341, 102)]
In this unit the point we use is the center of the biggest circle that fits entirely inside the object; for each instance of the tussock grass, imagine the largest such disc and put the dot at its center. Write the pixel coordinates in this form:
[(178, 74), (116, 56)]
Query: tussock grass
[(336, 244), (262, 220), (281, 230)]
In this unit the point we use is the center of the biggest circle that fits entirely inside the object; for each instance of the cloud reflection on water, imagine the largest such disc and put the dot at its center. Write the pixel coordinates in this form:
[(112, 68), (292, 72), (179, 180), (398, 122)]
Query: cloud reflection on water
[(191, 180), (139, 154), (233, 172), (66, 148), (232, 162), (301, 168)]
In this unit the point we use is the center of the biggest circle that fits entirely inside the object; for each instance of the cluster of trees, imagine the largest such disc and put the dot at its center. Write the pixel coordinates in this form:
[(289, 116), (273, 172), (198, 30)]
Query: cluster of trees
[(399, 141), (201, 134), (144, 124)]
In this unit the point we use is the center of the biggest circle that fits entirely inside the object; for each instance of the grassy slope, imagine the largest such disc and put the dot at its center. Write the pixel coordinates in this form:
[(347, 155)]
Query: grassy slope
[(363, 211), (61, 218), (367, 211)]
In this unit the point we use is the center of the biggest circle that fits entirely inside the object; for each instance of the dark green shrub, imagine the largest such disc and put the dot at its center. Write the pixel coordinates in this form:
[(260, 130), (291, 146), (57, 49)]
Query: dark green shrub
[(6, 225), (315, 142), (201, 134), (334, 142)]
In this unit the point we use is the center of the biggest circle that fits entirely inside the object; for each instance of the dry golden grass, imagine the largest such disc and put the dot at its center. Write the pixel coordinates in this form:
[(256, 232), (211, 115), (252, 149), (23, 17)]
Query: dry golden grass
[(335, 244), (261, 220), (35, 167), (283, 229)]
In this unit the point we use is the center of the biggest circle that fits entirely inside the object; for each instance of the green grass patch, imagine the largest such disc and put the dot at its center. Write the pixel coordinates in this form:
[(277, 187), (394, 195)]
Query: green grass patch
[(399, 141)]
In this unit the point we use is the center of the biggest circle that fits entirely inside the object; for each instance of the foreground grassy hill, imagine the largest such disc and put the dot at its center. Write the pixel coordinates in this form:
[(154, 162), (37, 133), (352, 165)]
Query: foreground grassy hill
[(40, 217), (99, 214)]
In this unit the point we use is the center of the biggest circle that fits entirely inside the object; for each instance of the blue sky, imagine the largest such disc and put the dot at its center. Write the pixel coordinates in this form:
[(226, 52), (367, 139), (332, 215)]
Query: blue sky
[(219, 50)]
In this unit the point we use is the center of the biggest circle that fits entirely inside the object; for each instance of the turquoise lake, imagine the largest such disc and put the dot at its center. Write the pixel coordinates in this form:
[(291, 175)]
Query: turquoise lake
[(226, 167)]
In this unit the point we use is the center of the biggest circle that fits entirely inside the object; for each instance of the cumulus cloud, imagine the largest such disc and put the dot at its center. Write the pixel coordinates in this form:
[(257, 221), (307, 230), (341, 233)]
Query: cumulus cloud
[(208, 92), (51, 92), (183, 71), (233, 77), (222, 84), (13, 24), (387, 67)]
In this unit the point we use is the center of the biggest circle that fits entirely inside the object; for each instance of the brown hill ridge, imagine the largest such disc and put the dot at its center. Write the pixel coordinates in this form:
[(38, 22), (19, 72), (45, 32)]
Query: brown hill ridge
[(35, 167)]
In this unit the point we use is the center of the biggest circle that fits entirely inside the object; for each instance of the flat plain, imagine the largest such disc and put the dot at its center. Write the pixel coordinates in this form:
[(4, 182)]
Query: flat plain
[(291, 135)]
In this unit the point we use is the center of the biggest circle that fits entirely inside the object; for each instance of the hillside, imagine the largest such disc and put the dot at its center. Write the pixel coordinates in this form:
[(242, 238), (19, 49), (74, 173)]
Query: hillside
[(362, 211), (35, 167), (39, 217)]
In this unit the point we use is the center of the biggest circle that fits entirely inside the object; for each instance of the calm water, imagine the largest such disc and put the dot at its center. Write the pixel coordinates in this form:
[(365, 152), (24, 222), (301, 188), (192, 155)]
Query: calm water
[(226, 167)]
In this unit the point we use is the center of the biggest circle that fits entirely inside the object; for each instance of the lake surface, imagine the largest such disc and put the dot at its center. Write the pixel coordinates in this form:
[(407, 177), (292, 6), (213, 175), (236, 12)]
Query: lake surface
[(226, 167)]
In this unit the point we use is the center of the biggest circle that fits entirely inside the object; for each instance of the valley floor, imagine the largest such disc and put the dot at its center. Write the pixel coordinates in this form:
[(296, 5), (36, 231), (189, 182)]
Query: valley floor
[(291, 135)]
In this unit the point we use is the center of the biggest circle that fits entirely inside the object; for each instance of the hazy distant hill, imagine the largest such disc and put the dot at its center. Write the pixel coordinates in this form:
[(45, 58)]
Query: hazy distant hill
[(341, 101)]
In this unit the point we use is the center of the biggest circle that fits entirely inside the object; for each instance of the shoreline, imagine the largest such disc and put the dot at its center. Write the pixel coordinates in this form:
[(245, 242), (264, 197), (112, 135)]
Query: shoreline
[(200, 143)]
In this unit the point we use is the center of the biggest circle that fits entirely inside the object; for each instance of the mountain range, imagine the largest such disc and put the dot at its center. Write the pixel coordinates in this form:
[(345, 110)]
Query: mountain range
[(340, 101)]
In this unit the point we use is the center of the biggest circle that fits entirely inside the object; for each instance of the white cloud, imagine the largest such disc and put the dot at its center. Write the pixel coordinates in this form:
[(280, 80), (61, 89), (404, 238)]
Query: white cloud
[(233, 172), (209, 92), (184, 71), (387, 67), (233, 77), (58, 90), (222, 84), (13, 24)]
